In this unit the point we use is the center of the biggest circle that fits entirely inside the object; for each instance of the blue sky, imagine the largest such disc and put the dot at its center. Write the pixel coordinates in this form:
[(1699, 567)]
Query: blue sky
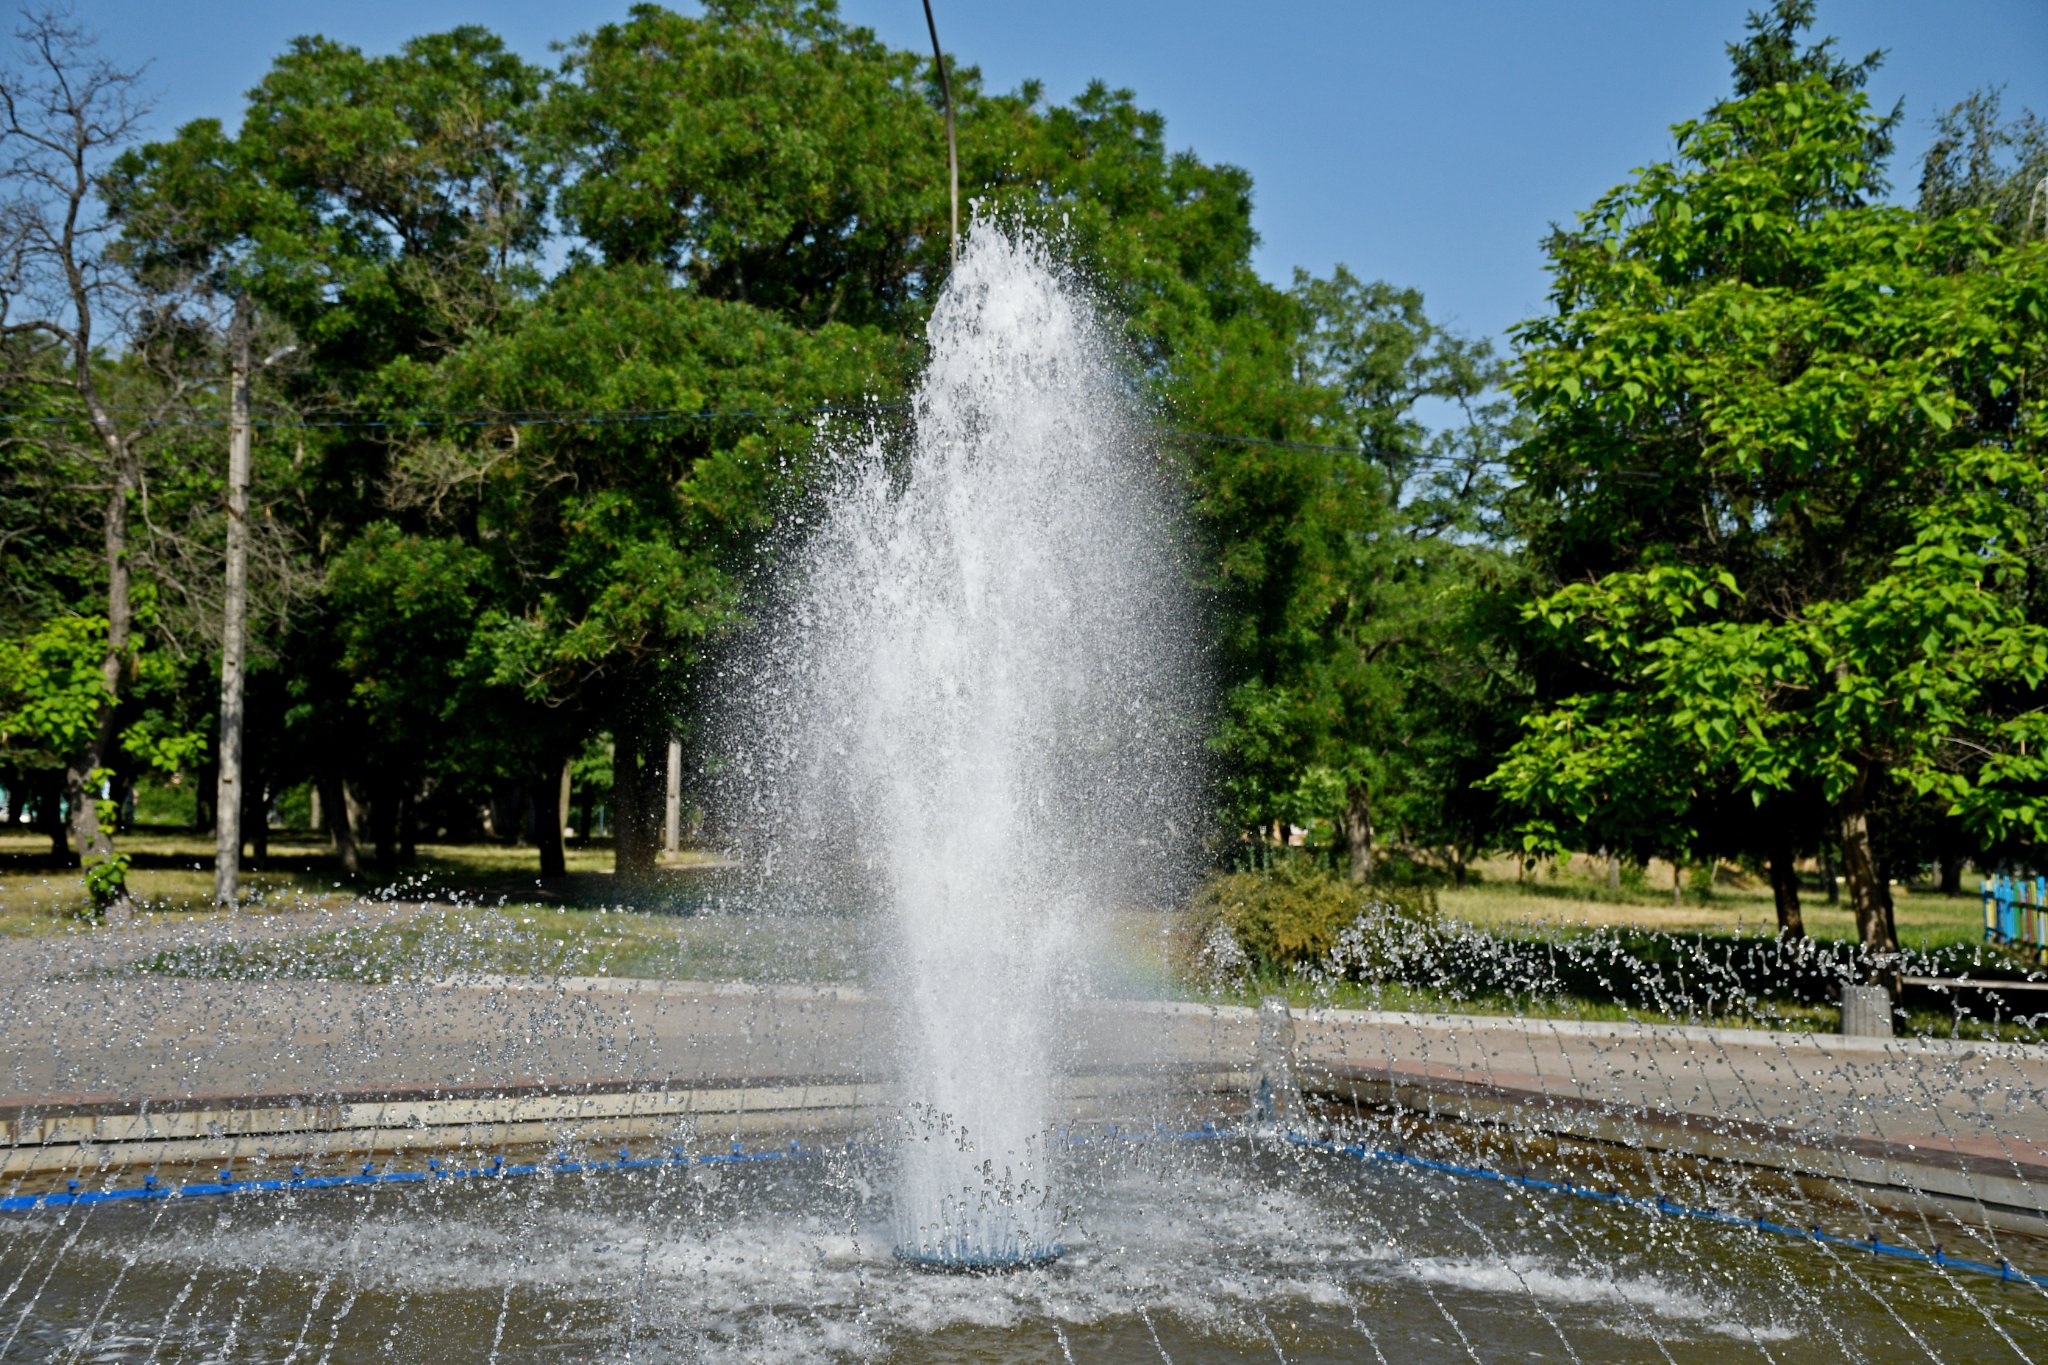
[(1428, 144)]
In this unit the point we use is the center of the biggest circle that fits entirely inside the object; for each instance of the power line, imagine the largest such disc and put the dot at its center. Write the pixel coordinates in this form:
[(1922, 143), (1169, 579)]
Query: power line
[(490, 417), (441, 418), (447, 419), (1351, 452)]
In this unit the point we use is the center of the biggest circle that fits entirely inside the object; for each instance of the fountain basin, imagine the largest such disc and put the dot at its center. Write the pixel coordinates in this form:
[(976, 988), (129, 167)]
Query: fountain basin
[(1215, 1250)]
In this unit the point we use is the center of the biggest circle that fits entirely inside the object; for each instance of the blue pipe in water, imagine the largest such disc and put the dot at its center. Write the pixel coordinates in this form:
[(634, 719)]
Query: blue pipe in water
[(2003, 1270), (150, 1188)]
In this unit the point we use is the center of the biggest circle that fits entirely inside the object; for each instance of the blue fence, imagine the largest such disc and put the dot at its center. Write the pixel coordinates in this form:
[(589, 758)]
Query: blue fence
[(2016, 912)]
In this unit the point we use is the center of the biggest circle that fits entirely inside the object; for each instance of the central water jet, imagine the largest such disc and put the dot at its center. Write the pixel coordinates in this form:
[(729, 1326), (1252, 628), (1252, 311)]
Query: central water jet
[(984, 709)]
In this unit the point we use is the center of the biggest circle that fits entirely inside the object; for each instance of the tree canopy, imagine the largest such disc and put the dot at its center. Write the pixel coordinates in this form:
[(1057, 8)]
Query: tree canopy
[(1736, 555), (1787, 451)]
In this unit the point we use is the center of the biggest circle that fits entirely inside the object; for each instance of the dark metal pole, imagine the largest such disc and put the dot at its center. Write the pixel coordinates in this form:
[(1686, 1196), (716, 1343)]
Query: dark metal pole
[(952, 145)]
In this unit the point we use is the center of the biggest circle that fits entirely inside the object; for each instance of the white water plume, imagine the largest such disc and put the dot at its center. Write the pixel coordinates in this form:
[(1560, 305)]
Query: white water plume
[(978, 707)]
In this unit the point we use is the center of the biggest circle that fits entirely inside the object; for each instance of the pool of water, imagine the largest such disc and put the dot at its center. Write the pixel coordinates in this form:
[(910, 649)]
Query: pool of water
[(1182, 1251)]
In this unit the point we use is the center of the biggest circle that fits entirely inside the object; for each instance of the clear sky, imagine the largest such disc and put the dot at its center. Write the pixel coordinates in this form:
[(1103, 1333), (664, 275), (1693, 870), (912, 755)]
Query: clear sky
[(1425, 143)]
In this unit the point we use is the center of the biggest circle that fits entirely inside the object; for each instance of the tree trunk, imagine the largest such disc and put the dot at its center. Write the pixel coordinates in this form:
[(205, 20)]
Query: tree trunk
[(256, 816), (1829, 875), (124, 802), (568, 791), (1951, 874), (1358, 831), (88, 840), (384, 825), (84, 773), (60, 835), (314, 822), (228, 805), (203, 787), (1677, 882), (49, 818), (341, 828), (408, 824), (632, 833), (549, 815), (1867, 894), (672, 799), (1785, 890)]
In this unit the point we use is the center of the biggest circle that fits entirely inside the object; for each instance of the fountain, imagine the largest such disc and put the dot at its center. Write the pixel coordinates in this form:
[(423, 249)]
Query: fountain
[(981, 706), (924, 1037)]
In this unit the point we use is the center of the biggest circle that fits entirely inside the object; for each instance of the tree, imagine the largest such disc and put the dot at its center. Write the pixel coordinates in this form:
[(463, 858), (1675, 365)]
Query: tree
[(757, 197), (1981, 161), (618, 549), (375, 209), (1788, 450), (65, 299), (1339, 568), (767, 151)]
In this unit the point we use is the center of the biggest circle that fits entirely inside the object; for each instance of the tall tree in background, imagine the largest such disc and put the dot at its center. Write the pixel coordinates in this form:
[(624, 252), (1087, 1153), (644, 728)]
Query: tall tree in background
[(1997, 166), (767, 152), (1788, 451), (377, 209), (757, 197), (66, 302), (1338, 569), (617, 549)]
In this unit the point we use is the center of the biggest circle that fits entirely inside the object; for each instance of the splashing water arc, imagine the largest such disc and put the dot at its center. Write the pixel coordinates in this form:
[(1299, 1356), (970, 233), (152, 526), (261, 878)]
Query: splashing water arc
[(982, 698)]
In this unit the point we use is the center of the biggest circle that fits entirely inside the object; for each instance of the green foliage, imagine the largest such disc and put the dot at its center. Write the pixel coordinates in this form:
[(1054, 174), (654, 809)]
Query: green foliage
[(1778, 526), (1349, 613), (615, 547), (1283, 920), (1981, 161), (375, 204), (52, 689), (106, 882), (681, 145), (1787, 479), (405, 606)]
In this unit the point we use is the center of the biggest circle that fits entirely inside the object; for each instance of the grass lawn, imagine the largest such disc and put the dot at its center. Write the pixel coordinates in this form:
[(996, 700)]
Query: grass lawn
[(1554, 897), (537, 941), (172, 872), (482, 909)]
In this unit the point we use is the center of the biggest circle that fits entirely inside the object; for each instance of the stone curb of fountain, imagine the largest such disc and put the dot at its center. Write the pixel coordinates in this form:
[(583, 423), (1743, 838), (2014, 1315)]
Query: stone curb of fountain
[(2005, 1191), (46, 1135), (60, 1133)]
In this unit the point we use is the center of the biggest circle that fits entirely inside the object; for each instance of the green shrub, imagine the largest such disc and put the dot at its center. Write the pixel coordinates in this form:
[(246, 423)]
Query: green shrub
[(1283, 920)]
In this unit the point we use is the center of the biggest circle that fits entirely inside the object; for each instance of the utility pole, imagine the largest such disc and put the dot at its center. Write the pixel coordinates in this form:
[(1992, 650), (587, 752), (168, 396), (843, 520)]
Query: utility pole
[(227, 810), (952, 146)]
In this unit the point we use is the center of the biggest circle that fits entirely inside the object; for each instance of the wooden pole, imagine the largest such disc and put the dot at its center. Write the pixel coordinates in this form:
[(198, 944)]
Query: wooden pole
[(227, 815), (952, 145)]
